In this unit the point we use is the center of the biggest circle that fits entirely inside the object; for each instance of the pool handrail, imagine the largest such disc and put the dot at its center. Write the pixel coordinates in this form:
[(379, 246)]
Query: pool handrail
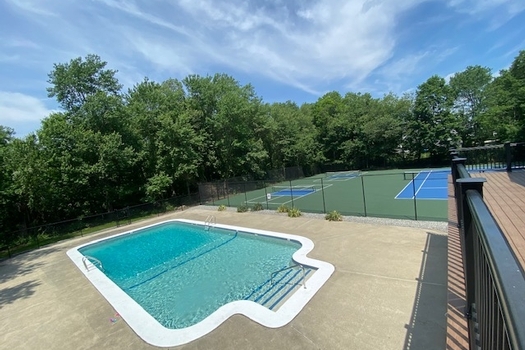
[(92, 260), (303, 278), (210, 220)]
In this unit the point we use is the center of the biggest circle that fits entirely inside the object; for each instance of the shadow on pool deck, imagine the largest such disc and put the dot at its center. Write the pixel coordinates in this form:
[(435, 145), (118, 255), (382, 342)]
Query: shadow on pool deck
[(388, 292)]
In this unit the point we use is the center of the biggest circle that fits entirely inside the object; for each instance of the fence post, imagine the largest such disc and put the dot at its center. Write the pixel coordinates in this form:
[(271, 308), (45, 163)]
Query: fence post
[(508, 156), (468, 235), (415, 200), (291, 192), (322, 192), (245, 196), (363, 190), (266, 195), (227, 192)]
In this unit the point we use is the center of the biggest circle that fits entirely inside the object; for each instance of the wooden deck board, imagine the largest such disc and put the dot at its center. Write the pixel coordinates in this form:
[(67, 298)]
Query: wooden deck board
[(504, 194)]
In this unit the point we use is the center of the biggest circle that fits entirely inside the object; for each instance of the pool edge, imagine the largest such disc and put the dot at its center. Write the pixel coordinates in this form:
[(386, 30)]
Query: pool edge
[(152, 332)]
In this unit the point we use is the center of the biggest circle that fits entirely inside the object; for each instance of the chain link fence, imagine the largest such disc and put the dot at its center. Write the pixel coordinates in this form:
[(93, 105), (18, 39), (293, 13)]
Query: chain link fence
[(22, 240), (390, 194)]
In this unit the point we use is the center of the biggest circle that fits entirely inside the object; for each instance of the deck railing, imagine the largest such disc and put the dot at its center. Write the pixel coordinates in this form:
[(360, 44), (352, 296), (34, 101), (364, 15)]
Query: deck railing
[(494, 279), (502, 156)]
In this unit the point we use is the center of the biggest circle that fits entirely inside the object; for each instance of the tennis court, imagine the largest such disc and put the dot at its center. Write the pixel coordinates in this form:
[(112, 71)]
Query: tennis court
[(373, 193), (431, 184)]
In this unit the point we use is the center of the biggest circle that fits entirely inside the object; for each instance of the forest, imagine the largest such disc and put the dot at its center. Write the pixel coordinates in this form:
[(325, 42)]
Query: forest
[(108, 148)]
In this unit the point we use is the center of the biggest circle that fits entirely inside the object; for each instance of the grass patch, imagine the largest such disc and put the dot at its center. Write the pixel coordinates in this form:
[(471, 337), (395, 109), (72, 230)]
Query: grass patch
[(242, 209), (334, 216), (257, 207), (294, 213), (283, 209)]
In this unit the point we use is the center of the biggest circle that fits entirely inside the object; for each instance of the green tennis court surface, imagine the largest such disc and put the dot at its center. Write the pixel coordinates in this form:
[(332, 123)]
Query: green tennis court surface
[(350, 193)]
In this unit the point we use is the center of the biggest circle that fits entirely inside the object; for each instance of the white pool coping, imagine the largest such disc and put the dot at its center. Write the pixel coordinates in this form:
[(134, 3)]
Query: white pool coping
[(152, 332)]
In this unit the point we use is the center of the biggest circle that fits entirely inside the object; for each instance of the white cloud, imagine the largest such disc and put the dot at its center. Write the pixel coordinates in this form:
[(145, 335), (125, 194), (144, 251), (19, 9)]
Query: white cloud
[(512, 7), (309, 45), (500, 11), (17, 107), (36, 7)]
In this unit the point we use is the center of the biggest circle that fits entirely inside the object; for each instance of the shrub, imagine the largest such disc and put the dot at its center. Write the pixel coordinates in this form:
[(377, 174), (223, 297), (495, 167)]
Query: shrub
[(257, 207), (242, 209), (294, 213), (333, 216), (222, 207), (283, 209)]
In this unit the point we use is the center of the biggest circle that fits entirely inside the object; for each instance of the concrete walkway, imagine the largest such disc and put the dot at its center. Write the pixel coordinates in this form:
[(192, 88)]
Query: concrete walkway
[(388, 291)]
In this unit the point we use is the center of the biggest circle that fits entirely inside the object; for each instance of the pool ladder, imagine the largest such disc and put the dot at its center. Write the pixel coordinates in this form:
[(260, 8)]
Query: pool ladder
[(89, 259), (303, 278), (210, 221)]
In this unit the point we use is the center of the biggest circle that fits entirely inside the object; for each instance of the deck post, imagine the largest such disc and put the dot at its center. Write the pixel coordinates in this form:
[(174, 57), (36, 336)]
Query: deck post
[(508, 156), (465, 218)]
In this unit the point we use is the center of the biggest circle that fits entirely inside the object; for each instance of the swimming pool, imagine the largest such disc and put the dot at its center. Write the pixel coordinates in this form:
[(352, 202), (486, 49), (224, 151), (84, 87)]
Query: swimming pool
[(173, 286)]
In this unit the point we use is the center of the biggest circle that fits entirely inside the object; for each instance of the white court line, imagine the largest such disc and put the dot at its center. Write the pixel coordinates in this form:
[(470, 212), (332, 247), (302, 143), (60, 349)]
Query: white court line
[(251, 200), (420, 186), (408, 184)]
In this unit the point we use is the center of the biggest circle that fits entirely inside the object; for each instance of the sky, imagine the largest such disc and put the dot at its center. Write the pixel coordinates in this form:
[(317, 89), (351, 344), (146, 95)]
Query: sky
[(294, 50)]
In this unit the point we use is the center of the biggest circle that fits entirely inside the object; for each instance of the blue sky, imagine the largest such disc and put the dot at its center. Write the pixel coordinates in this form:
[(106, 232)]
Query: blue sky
[(288, 50)]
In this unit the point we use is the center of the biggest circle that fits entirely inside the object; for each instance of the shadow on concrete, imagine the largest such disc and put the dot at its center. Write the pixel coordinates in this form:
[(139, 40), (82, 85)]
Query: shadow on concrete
[(427, 327), (22, 264), (21, 291)]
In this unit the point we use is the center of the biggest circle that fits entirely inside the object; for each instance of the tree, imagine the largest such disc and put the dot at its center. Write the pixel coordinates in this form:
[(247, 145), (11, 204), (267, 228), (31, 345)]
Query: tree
[(73, 82), (433, 127), (327, 117), (6, 198), (230, 117), (505, 116), (469, 89)]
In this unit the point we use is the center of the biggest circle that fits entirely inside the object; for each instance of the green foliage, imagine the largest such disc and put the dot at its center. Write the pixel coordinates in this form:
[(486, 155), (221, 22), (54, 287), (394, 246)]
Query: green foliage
[(432, 126), (283, 209), (73, 82), (109, 149), (221, 207), (294, 213), (470, 91), (157, 186), (257, 207), (333, 216), (242, 208)]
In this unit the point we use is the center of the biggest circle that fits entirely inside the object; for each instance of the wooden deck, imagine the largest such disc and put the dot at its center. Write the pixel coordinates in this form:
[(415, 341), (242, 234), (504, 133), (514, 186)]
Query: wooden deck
[(504, 194)]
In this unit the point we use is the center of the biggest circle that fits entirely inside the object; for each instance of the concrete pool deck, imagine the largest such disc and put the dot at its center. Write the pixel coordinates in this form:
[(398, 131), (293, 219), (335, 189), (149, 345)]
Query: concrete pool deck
[(388, 291)]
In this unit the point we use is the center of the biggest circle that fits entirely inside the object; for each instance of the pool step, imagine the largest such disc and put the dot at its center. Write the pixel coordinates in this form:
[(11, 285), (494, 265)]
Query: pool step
[(278, 289)]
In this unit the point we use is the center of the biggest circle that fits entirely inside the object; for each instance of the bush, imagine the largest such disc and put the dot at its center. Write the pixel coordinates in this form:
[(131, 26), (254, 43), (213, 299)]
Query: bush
[(242, 209), (222, 207), (294, 213), (283, 209), (257, 207), (333, 216)]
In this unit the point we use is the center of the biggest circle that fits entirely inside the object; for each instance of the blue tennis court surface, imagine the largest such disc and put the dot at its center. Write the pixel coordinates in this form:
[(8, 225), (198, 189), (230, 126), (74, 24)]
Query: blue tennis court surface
[(427, 185), (293, 192), (338, 176)]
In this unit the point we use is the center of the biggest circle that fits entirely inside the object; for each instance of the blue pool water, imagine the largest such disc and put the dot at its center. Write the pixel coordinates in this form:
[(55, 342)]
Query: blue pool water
[(180, 273)]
